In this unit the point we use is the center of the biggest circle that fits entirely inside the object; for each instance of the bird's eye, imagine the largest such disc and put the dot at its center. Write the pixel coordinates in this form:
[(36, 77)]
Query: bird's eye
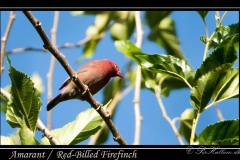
[(116, 66)]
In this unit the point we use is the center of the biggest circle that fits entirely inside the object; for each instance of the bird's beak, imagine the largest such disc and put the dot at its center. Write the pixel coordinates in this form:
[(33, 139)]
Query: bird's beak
[(119, 74)]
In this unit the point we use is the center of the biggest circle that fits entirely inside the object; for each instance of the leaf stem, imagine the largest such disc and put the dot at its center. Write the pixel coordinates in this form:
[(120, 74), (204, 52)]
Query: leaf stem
[(208, 40), (189, 85), (194, 126), (224, 14)]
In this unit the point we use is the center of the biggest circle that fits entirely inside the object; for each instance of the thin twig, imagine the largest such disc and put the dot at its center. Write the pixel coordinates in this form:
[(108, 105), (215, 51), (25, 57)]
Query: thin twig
[(62, 60), (224, 14), (40, 125), (27, 49), (5, 94), (164, 112), (51, 67), (112, 106), (64, 46), (219, 113), (12, 17), (138, 117), (47, 132)]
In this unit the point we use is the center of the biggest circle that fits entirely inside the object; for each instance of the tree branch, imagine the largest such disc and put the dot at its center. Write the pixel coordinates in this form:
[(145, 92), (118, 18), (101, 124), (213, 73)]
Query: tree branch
[(51, 67), (64, 46), (60, 57), (219, 113), (112, 106), (136, 100), (164, 112), (12, 17)]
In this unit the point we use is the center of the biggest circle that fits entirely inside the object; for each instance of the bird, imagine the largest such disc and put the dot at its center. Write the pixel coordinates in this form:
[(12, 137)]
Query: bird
[(95, 74)]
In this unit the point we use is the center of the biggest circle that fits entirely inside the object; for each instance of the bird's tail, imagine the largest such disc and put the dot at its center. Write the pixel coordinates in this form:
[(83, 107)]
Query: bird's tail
[(54, 102)]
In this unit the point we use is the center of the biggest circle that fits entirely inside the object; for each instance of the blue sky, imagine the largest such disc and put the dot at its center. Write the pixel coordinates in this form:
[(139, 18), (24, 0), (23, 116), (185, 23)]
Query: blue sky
[(154, 130)]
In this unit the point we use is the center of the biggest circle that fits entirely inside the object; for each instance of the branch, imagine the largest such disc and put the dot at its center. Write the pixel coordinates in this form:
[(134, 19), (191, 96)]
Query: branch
[(47, 132), (5, 94), (112, 106), (12, 17), (64, 46), (51, 67), (88, 96), (164, 112), (40, 125), (219, 113), (224, 14), (138, 117)]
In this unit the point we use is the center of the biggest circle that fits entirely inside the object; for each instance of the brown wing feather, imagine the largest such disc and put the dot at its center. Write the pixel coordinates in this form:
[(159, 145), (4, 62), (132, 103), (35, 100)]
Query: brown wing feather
[(67, 81)]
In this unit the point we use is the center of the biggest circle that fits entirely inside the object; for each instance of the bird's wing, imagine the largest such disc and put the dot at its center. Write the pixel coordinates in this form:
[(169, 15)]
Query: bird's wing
[(67, 81)]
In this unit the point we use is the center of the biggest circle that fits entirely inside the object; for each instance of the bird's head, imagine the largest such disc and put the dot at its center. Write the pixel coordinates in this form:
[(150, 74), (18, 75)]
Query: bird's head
[(115, 69)]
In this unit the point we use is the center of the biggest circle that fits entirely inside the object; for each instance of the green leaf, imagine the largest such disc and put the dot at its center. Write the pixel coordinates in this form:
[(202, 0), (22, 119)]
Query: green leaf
[(224, 132), (150, 80), (89, 48), (221, 56), (208, 75), (102, 21), (13, 116), (100, 25), (27, 136), (112, 88), (225, 35), (3, 106), (79, 13), (170, 84), (202, 91), (103, 135), (168, 65), (228, 86), (229, 141), (203, 14), (128, 48), (122, 29), (86, 124), (185, 127), (153, 18), (13, 139), (4, 100), (6, 141), (24, 104), (165, 35), (203, 39)]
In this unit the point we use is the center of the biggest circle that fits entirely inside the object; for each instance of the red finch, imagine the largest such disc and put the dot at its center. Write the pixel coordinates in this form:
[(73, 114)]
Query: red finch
[(95, 74)]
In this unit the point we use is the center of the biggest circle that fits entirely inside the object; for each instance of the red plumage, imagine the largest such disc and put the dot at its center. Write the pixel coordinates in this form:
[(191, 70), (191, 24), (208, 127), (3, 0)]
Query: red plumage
[(95, 74)]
